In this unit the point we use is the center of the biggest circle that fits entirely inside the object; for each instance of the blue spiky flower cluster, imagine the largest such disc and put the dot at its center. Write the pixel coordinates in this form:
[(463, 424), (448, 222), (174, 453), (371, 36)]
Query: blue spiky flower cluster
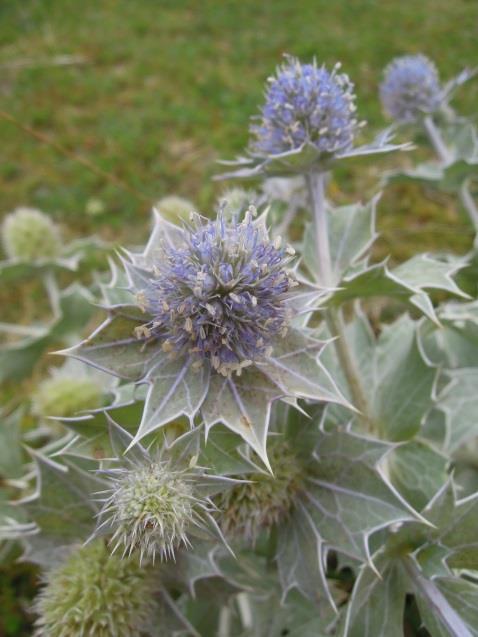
[(306, 104), (220, 296), (411, 88)]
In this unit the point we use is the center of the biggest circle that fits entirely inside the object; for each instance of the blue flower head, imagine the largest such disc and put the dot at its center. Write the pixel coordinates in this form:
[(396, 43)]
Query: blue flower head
[(410, 88), (220, 295), (306, 104)]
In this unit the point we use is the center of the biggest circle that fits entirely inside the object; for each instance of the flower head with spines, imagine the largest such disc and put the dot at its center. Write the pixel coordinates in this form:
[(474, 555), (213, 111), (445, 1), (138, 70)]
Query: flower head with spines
[(208, 322), (306, 104), (151, 507), (265, 500), (94, 593), (221, 296), (154, 503), (410, 88)]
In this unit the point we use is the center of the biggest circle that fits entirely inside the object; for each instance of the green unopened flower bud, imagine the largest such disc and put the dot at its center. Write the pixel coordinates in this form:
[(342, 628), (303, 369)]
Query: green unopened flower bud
[(175, 208), (95, 594), (236, 201), (151, 508), (30, 235), (63, 396), (266, 500)]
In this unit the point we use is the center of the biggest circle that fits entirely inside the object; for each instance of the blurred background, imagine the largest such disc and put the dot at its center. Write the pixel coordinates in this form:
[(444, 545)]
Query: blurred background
[(107, 106)]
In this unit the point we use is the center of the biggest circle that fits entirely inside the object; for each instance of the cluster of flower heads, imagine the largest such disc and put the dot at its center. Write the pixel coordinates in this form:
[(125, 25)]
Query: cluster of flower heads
[(95, 594), (220, 296), (306, 104), (410, 88), (30, 235), (151, 507), (264, 501)]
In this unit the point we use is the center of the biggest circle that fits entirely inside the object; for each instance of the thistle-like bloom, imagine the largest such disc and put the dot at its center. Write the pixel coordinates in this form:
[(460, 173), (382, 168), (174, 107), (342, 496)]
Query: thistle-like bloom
[(30, 235), (306, 104), (307, 123), (151, 508), (258, 505), (220, 298), (95, 594), (154, 505), (410, 88), (207, 323)]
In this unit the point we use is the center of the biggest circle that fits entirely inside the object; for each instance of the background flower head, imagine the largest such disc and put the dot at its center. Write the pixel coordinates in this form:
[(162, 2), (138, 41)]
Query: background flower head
[(410, 88), (306, 103)]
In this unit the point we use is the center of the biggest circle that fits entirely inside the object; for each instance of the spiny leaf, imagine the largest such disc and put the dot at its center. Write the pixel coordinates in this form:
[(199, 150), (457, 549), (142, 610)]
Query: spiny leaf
[(62, 506), (115, 348), (418, 471)]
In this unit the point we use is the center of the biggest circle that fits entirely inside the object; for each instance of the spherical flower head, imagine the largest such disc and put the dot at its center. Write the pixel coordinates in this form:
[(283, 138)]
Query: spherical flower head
[(306, 104), (95, 594), (150, 508), (63, 396), (410, 88), (221, 296), (30, 235), (175, 208), (266, 500)]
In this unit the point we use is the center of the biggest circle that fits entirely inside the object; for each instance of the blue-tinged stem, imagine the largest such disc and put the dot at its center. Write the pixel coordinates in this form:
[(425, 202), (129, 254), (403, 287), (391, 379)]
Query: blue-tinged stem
[(446, 156), (441, 608), (315, 183)]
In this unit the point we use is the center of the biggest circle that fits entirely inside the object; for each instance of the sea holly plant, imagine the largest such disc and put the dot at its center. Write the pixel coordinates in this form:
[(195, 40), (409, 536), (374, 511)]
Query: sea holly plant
[(412, 94), (270, 457)]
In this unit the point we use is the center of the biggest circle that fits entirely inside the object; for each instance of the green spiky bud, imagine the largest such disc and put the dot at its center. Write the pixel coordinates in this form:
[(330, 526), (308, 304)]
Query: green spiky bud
[(151, 508), (30, 235), (95, 594), (63, 396), (175, 208), (249, 508)]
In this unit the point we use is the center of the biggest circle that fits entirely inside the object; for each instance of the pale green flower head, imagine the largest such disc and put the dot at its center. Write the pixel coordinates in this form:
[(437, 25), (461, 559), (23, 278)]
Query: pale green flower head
[(264, 501), (69, 390), (174, 208), (30, 235), (95, 594)]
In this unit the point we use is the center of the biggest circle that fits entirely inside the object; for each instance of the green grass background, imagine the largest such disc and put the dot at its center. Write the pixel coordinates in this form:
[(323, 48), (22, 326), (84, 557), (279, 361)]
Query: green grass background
[(168, 87)]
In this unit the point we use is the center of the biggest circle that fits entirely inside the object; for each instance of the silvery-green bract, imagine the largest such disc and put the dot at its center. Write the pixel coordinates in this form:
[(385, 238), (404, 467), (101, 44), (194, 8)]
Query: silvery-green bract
[(286, 441)]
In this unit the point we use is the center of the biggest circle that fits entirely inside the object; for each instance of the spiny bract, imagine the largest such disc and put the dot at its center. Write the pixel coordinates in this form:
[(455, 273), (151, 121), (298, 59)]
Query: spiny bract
[(306, 104), (220, 296), (150, 508), (266, 500), (410, 88), (95, 594), (30, 235)]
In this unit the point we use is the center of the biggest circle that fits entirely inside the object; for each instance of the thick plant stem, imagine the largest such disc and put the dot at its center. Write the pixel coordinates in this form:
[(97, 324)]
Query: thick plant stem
[(442, 609), (315, 185), (436, 140), (347, 362), (446, 156)]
